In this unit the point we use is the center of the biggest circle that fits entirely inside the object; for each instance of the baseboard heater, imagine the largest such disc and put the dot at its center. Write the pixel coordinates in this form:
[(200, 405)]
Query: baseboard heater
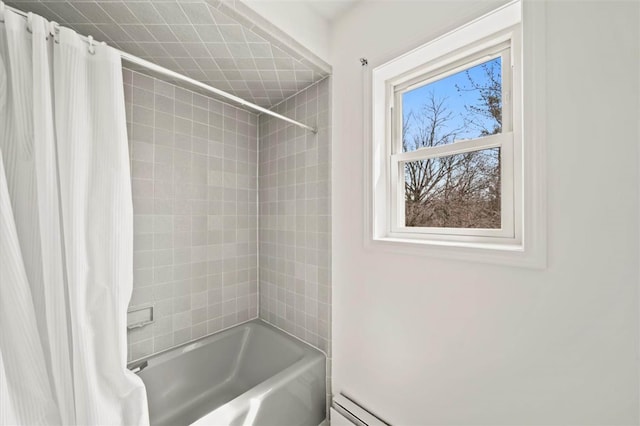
[(355, 413)]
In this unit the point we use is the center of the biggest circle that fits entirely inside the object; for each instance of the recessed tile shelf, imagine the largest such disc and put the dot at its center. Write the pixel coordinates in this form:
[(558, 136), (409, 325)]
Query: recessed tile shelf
[(139, 316)]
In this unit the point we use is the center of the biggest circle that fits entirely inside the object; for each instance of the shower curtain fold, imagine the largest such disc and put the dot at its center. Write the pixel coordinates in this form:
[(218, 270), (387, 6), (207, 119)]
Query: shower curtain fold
[(67, 277), (25, 396)]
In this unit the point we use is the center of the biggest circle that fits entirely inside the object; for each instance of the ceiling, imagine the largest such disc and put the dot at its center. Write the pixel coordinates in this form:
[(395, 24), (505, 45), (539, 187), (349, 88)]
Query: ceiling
[(219, 43), (330, 9)]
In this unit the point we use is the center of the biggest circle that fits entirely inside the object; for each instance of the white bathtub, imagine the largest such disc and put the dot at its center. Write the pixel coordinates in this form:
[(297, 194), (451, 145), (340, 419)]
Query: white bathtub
[(251, 374)]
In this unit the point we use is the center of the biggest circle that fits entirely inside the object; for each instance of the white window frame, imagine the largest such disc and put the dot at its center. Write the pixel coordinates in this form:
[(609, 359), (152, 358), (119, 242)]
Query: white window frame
[(521, 239), (504, 141)]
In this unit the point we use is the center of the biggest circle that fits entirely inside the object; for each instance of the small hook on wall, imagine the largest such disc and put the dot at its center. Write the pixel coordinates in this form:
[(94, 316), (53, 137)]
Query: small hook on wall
[(364, 62)]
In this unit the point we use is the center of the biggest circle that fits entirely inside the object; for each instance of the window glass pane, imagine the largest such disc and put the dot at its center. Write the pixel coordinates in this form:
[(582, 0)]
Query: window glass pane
[(456, 191), (464, 105)]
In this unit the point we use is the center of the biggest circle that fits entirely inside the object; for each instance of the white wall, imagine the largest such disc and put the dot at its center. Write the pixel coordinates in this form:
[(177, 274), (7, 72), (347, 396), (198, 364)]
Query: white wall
[(298, 20), (424, 341)]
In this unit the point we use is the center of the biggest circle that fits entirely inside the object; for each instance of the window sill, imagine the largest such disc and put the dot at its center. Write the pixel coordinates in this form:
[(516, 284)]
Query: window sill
[(500, 254)]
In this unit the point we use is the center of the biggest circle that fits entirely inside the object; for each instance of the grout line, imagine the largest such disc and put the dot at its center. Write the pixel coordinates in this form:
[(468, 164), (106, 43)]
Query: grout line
[(258, 214)]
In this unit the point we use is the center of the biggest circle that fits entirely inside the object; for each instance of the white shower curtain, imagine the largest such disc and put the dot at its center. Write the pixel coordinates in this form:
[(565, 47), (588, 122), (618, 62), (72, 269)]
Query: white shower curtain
[(66, 220)]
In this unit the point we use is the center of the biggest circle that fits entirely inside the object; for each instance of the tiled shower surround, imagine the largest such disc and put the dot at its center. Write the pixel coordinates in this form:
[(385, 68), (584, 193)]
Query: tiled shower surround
[(193, 165), (295, 218), (196, 171)]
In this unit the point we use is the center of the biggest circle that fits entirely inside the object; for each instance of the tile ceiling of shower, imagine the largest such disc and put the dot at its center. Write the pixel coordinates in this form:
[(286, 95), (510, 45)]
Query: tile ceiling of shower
[(219, 43)]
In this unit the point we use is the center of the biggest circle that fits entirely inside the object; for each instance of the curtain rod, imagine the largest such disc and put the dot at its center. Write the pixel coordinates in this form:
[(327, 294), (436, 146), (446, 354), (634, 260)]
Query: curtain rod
[(175, 75)]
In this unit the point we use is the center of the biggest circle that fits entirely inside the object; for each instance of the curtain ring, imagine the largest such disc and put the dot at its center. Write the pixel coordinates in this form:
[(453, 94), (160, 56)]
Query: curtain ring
[(30, 22), (92, 47), (2, 11), (52, 30)]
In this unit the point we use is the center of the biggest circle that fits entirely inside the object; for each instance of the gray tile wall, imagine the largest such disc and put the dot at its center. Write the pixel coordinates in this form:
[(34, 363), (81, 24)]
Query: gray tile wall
[(193, 165), (222, 43), (295, 218)]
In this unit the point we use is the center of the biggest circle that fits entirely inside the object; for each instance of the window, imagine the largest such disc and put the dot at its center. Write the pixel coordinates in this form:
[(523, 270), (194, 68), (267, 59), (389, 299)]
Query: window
[(449, 152), (453, 149)]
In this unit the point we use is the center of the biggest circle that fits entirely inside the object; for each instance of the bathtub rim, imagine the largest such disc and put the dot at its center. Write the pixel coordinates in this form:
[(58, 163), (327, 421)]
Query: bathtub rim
[(209, 338)]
